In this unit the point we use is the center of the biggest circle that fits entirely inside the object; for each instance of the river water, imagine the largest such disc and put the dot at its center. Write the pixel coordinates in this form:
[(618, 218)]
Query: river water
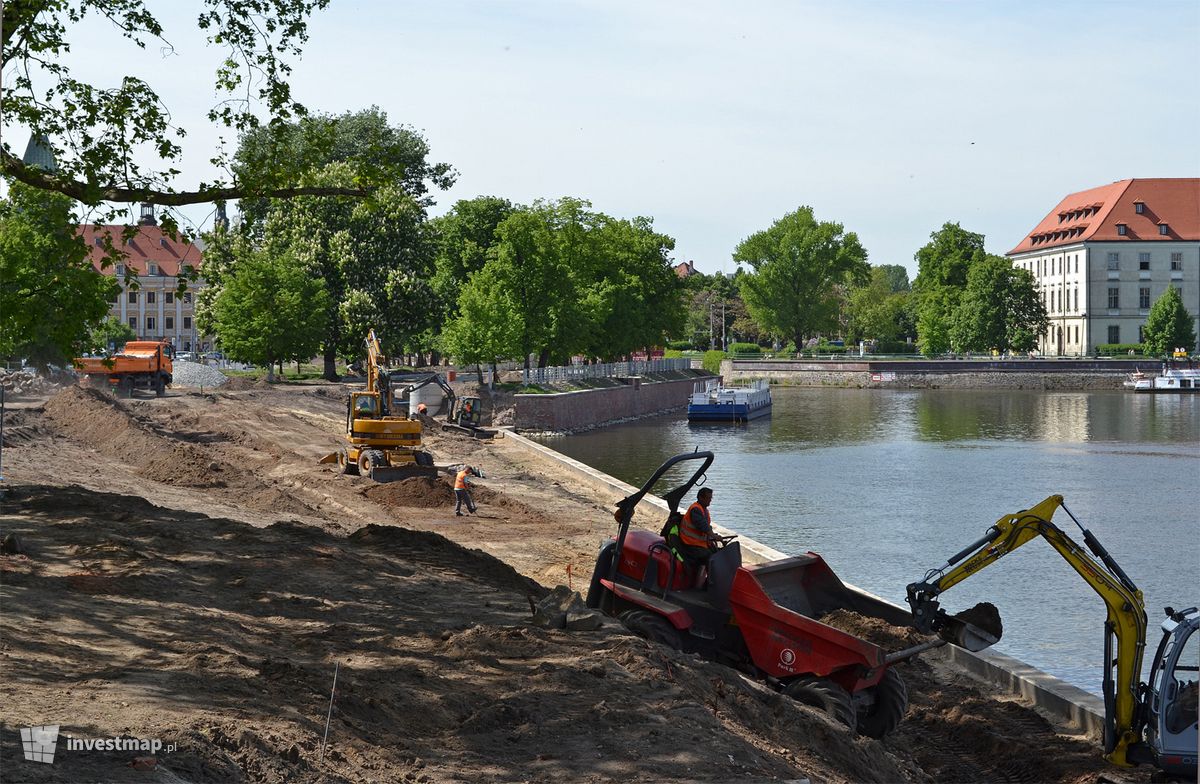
[(886, 484)]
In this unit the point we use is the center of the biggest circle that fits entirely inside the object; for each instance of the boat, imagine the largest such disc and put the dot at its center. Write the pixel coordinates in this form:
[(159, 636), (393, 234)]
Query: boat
[(713, 402), (1169, 379)]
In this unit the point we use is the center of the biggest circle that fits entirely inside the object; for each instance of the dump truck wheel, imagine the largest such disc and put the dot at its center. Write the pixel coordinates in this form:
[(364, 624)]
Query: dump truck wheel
[(826, 695), (160, 386), (891, 701), (652, 627)]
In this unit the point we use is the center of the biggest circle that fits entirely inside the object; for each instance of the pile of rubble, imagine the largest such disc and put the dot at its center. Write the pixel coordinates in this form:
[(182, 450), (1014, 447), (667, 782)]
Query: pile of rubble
[(193, 374), (27, 381)]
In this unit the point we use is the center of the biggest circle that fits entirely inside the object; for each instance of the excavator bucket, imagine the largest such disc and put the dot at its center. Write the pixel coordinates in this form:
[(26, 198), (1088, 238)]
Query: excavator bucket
[(974, 629)]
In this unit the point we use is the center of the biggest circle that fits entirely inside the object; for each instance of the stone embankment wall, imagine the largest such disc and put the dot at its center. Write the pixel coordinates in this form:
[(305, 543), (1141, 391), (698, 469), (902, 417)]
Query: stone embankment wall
[(582, 409), (933, 374)]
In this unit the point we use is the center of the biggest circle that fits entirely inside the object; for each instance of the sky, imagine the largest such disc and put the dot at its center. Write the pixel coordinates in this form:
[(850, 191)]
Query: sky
[(716, 119)]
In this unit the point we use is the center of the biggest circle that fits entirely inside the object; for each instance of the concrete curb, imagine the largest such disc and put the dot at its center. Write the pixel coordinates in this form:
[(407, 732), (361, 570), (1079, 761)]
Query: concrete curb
[(1069, 704)]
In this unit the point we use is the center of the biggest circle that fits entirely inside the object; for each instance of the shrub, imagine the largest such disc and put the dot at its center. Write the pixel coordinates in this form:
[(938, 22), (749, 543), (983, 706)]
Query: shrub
[(1118, 349), (745, 348), (671, 353), (680, 345), (712, 360), (895, 347)]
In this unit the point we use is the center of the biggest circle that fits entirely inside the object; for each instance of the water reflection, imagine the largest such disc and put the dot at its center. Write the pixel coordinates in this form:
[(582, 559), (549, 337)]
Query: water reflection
[(886, 484)]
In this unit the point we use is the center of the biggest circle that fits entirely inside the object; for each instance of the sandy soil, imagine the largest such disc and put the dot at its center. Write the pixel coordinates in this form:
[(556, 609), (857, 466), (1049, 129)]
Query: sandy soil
[(190, 573)]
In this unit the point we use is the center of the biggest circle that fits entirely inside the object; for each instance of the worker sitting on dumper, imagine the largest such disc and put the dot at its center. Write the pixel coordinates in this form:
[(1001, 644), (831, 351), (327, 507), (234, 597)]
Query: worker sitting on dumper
[(462, 491), (691, 538)]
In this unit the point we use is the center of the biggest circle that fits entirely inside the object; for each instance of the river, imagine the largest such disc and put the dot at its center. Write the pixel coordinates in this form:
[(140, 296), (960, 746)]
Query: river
[(886, 484)]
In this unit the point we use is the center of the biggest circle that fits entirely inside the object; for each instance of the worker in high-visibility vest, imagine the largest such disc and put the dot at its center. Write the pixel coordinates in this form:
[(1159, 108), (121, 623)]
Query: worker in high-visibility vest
[(462, 490), (691, 538)]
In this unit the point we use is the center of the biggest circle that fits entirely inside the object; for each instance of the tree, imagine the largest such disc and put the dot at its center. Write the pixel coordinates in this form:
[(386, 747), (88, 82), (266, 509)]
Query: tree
[(942, 268), (879, 310), (486, 327), (465, 237), (798, 268), (51, 296), (1169, 326), (112, 333), (95, 133), (272, 307), (999, 309)]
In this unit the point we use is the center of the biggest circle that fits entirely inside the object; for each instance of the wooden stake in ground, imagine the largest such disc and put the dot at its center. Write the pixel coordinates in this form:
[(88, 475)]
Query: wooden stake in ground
[(329, 714)]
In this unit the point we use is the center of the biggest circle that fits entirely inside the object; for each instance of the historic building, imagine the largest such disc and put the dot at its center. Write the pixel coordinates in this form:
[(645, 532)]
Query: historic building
[(1103, 256), (155, 309)]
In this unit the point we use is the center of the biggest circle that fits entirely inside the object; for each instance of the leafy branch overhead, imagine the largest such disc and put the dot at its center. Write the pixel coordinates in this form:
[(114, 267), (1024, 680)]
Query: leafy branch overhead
[(99, 135)]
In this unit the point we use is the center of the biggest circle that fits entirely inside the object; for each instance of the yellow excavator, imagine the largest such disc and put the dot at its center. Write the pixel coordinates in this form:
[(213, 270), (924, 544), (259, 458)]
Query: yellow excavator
[(382, 442), (1151, 723)]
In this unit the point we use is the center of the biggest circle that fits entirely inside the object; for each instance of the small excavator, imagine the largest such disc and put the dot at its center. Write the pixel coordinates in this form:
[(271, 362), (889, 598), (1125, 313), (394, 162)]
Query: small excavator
[(1151, 723), (463, 415), (382, 442)]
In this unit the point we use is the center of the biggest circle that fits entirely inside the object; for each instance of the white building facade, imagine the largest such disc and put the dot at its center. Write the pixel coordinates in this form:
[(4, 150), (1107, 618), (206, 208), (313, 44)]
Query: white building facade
[(1104, 256)]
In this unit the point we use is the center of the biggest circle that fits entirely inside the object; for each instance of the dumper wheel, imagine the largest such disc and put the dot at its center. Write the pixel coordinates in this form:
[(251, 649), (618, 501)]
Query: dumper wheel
[(653, 627), (891, 700), (826, 695)]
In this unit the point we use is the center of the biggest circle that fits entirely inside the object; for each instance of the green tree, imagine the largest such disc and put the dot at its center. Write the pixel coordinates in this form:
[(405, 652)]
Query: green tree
[(935, 309), (879, 309), (999, 309), (112, 332), (465, 237), (485, 328), (799, 267), (1169, 326), (272, 307), (942, 268), (94, 132), (50, 294)]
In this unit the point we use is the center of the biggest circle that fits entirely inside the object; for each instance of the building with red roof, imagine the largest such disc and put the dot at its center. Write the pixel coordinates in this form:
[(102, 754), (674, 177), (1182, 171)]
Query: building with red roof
[(154, 309), (685, 269), (1103, 256)]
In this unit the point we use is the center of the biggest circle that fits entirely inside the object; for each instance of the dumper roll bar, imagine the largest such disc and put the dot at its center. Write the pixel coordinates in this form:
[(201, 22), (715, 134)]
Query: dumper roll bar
[(626, 505)]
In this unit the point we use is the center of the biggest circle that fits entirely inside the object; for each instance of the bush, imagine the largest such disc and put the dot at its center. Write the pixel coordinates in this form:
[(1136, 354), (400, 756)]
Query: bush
[(712, 360), (671, 353), (745, 348), (680, 345), (1118, 349), (895, 347)]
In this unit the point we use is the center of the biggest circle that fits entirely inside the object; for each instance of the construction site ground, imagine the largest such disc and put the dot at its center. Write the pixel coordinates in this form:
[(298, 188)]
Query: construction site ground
[(189, 572)]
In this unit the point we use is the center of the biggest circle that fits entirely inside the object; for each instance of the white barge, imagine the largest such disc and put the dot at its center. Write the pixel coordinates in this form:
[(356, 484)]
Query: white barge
[(712, 402)]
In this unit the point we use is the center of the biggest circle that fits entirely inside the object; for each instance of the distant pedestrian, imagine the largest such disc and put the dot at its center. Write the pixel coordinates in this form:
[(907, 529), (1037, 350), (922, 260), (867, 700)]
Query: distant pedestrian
[(462, 490)]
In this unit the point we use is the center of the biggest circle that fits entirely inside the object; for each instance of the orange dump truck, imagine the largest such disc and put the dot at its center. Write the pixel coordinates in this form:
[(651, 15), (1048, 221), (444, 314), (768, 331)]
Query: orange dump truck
[(142, 364)]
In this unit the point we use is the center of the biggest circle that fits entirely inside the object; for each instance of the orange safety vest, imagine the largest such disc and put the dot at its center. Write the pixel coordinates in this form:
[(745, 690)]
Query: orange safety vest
[(460, 481), (688, 533)]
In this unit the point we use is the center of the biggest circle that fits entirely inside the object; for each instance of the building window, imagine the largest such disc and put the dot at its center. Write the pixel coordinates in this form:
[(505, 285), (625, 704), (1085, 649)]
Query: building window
[(1143, 261), (187, 322), (149, 323), (1164, 229), (133, 323), (1121, 229), (187, 345), (152, 268), (187, 298), (1139, 207), (1114, 297), (1176, 262), (1114, 333), (121, 270), (1076, 334), (1076, 298), (1141, 333), (1077, 262), (1144, 297), (1114, 261), (131, 298), (170, 322), (1059, 297), (1179, 291), (150, 296), (170, 295)]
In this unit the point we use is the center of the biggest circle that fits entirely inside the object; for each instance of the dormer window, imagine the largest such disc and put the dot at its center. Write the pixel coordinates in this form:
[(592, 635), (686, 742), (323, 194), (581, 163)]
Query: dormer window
[(99, 242), (1164, 229), (1139, 207), (152, 268), (1121, 228)]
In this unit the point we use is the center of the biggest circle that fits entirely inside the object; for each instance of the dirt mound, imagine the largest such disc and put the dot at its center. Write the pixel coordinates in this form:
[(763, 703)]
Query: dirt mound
[(24, 426), (423, 492), (509, 505)]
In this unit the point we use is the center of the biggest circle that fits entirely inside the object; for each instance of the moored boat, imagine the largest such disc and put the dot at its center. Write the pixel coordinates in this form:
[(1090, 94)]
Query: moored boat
[(1169, 379), (712, 402)]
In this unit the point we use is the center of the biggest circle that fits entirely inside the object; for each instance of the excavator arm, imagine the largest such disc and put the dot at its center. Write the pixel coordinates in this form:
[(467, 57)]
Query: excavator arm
[(1124, 628)]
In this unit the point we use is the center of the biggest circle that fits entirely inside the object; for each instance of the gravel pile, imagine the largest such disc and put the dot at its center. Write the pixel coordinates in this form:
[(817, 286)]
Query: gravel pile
[(193, 374)]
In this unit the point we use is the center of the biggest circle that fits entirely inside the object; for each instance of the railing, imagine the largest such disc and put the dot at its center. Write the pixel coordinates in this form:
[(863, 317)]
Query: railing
[(550, 375)]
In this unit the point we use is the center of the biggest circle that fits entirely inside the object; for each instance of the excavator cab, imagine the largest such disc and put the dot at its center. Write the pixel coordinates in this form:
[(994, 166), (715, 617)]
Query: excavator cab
[(1172, 731)]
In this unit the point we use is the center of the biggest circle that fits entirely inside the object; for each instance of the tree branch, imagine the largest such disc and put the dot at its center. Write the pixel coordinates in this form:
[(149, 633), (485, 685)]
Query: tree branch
[(37, 178)]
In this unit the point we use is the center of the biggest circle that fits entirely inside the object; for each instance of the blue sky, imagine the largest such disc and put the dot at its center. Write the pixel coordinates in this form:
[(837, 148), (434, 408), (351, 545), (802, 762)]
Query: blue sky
[(717, 118)]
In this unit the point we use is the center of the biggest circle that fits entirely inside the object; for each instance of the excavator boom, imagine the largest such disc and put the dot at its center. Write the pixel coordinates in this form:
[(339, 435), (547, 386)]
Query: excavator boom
[(1124, 628)]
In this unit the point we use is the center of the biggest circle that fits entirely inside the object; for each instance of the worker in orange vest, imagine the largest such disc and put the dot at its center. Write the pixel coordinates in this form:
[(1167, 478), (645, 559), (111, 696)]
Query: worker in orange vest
[(462, 490), (691, 538)]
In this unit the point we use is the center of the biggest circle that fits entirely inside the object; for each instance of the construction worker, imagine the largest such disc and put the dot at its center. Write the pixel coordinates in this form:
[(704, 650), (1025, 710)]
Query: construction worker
[(462, 490), (422, 408), (691, 538)]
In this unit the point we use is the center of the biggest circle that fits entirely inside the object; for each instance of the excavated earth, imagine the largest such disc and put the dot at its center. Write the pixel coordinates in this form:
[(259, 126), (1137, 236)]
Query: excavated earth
[(189, 572)]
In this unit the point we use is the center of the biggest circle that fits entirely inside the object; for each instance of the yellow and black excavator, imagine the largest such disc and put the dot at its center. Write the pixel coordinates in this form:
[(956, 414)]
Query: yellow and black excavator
[(463, 414), (1151, 723), (382, 442)]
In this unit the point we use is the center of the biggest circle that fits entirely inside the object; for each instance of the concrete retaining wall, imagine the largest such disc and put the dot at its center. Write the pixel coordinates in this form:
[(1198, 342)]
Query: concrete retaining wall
[(587, 408), (1068, 704)]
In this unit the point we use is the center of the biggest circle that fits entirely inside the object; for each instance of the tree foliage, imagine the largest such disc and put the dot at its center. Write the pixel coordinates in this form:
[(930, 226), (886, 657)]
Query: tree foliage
[(272, 307), (999, 310), (110, 334), (97, 132), (1169, 326), (50, 294), (879, 310), (465, 238), (800, 268)]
